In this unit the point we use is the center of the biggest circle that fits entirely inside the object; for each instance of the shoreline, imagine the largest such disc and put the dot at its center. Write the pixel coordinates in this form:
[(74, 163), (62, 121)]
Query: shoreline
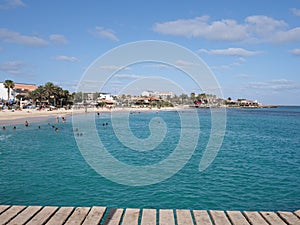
[(8, 117)]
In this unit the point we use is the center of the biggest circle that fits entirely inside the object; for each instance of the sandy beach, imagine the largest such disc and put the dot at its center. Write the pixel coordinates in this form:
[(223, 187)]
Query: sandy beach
[(9, 117)]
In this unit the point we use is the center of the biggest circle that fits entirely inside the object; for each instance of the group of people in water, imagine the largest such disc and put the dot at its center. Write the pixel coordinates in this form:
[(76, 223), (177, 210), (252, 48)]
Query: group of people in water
[(26, 123), (14, 127), (56, 129)]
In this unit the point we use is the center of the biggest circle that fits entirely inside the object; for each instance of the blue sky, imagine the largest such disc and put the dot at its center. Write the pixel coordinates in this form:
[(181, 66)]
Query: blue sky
[(252, 47)]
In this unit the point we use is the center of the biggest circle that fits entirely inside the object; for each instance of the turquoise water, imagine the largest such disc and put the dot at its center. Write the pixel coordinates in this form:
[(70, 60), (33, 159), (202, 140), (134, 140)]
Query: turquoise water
[(257, 167)]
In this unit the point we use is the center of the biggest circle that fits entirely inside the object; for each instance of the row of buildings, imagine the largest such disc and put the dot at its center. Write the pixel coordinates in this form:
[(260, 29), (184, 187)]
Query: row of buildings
[(146, 98)]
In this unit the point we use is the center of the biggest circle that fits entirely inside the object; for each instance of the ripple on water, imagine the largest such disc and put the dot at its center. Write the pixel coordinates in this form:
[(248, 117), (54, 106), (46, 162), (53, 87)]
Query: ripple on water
[(257, 167)]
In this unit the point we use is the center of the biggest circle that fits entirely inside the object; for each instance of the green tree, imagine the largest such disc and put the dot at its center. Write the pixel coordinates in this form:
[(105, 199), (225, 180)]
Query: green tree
[(9, 84), (184, 98), (37, 94), (49, 89), (193, 97)]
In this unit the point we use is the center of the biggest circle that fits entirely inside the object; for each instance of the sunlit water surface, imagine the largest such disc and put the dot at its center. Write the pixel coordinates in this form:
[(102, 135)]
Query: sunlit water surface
[(257, 167)]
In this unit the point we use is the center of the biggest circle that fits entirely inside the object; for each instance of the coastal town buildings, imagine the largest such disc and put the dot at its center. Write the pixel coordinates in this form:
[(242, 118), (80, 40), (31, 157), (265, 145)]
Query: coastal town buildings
[(20, 89), (158, 94), (243, 103)]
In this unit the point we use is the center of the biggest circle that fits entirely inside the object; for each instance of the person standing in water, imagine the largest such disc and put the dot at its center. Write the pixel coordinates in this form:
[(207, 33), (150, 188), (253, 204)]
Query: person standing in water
[(26, 123)]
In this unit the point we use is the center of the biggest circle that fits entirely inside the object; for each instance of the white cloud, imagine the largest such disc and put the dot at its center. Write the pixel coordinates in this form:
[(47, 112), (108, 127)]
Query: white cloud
[(12, 67), (183, 63), (58, 39), (226, 30), (295, 51), (295, 11), (158, 65), (254, 28), (243, 75), (128, 76), (66, 58), (274, 85), (242, 59), (105, 33), (10, 4), (237, 62), (16, 38), (231, 52), (263, 25), (221, 67), (292, 35), (113, 68)]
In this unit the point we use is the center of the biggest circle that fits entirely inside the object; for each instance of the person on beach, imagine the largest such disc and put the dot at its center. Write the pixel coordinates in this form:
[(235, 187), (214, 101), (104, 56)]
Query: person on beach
[(26, 123)]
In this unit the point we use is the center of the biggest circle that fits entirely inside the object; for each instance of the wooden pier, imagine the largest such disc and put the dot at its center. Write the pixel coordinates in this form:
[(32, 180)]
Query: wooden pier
[(52, 215)]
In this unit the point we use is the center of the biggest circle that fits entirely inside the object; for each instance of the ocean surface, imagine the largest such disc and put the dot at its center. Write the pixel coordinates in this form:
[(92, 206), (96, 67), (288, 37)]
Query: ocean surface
[(256, 168)]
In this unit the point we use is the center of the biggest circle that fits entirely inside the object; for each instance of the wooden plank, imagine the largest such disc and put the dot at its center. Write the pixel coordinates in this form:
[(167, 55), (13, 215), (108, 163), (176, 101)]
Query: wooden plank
[(131, 217), (297, 213), (184, 217), (148, 217), (43, 215), (272, 218), (60, 216), (219, 217), (114, 217), (166, 217), (10, 213), (289, 218), (95, 215), (78, 216), (202, 217), (255, 218), (25, 215), (237, 218), (3, 208)]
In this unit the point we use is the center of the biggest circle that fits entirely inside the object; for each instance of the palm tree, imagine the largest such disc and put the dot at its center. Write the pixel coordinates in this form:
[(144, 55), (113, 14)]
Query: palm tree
[(49, 90), (37, 94), (9, 84)]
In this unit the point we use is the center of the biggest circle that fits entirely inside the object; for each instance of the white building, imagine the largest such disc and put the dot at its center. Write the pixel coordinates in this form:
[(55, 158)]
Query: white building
[(106, 96), (4, 93), (19, 89), (158, 94)]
